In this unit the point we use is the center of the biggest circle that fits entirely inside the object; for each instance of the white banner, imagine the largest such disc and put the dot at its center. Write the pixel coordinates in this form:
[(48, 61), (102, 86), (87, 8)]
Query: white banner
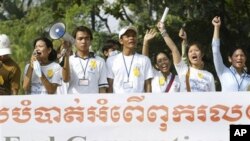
[(124, 117)]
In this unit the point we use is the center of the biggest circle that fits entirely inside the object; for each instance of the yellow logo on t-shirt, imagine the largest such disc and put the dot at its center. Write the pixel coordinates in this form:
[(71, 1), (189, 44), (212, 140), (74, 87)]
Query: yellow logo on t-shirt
[(50, 73), (200, 75), (136, 72), (162, 80), (1, 80), (93, 64)]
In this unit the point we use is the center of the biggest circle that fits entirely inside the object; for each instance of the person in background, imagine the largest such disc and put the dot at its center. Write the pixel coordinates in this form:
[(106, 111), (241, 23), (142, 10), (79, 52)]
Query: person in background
[(234, 78), (10, 72), (110, 48), (128, 71), (163, 80), (85, 72), (192, 77), (42, 74)]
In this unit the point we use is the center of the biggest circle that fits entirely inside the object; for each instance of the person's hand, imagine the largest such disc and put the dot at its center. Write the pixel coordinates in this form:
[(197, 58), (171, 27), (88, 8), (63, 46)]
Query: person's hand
[(216, 21), (37, 68), (66, 48), (33, 58), (161, 27), (150, 34), (182, 34)]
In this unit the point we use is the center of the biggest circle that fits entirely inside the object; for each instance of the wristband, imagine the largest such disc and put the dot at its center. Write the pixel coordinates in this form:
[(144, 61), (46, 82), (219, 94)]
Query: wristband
[(164, 32)]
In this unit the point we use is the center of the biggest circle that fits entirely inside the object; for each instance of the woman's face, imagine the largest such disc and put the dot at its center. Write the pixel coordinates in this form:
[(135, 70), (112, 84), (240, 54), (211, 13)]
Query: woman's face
[(195, 56), (238, 59), (42, 50), (163, 63)]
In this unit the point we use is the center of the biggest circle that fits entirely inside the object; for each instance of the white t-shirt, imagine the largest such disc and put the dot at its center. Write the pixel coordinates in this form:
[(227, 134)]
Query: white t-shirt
[(63, 88), (159, 83), (131, 77), (51, 71), (230, 79), (199, 80), (87, 75)]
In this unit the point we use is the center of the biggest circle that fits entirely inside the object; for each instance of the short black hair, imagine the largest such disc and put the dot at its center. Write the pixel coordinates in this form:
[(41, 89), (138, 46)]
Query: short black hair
[(83, 29), (110, 44), (234, 48)]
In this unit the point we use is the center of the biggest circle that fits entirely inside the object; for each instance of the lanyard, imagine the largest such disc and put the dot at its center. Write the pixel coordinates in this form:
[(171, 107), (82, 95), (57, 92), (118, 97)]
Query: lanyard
[(239, 84), (128, 71), (84, 69), (170, 83)]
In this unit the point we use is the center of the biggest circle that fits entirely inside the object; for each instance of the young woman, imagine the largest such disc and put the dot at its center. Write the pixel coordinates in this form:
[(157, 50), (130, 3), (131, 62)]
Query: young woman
[(235, 77), (163, 80), (42, 75), (192, 77)]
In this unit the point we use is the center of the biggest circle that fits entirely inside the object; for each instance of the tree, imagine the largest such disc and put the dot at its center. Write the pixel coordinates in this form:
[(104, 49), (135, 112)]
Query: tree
[(24, 20)]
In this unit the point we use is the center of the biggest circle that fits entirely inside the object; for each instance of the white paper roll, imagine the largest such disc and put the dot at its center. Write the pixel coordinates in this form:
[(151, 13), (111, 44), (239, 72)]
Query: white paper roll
[(163, 18)]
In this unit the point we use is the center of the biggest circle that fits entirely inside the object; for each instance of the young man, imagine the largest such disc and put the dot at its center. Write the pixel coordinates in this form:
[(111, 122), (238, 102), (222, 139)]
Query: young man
[(85, 72), (129, 72), (9, 70)]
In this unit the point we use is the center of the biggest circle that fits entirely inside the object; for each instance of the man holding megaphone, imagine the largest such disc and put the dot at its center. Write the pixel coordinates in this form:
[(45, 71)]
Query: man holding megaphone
[(85, 72)]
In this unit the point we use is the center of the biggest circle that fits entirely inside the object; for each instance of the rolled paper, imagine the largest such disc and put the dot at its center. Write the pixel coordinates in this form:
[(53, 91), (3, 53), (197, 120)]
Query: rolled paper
[(163, 18)]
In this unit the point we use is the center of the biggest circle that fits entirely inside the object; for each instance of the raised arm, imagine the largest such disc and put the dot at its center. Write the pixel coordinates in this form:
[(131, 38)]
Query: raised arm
[(170, 43), (217, 23), (150, 34), (218, 61), (66, 67), (28, 75), (184, 44)]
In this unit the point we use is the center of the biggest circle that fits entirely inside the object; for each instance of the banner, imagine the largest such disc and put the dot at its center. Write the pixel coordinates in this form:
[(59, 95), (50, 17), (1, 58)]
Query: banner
[(123, 117)]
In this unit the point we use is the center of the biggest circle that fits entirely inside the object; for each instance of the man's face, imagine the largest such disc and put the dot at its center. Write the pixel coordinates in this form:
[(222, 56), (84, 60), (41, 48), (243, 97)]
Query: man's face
[(129, 39), (82, 41)]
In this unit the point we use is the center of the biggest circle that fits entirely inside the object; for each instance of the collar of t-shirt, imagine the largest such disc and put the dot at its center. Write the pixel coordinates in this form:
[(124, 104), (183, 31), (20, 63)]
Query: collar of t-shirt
[(91, 55), (234, 71)]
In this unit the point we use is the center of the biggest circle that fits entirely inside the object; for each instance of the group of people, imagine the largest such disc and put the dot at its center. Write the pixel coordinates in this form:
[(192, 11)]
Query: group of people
[(121, 72)]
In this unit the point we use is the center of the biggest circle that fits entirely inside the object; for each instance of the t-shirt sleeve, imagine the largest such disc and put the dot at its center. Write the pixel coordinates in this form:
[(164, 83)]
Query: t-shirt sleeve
[(213, 89), (148, 69), (181, 67), (109, 65), (217, 58), (103, 75), (57, 78)]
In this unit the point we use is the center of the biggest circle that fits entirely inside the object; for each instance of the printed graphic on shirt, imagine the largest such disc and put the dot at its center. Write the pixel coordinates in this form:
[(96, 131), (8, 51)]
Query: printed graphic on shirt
[(201, 84), (136, 71), (200, 75), (37, 88), (162, 80), (50, 73), (92, 64)]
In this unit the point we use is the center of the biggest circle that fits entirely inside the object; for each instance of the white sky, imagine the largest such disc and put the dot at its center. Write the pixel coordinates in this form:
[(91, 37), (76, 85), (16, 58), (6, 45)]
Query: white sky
[(112, 22)]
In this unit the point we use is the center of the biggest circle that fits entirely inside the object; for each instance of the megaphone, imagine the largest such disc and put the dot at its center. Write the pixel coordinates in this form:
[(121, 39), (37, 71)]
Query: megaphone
[(58, 30)]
